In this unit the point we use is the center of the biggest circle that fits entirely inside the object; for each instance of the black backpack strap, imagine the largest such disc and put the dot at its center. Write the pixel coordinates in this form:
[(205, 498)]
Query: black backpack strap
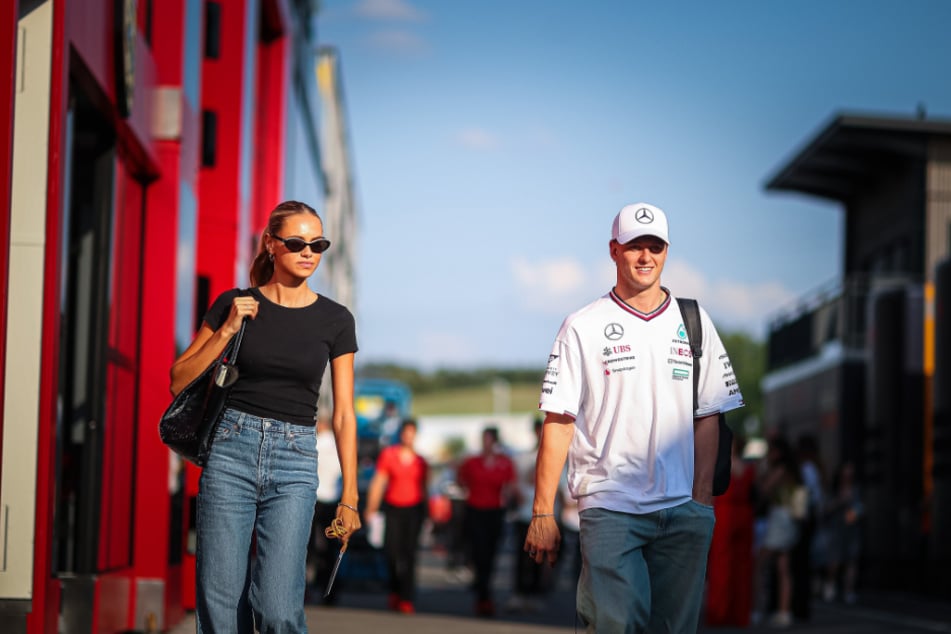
[(690, 312)]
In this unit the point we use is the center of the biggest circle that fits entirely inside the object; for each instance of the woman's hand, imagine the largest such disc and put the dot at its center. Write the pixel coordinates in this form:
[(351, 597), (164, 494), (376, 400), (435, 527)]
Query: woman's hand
[(208, 344), (241, 307), (345, 524)]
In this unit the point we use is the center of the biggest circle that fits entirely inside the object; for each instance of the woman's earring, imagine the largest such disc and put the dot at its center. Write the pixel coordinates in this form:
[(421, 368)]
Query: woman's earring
[(270, 255)]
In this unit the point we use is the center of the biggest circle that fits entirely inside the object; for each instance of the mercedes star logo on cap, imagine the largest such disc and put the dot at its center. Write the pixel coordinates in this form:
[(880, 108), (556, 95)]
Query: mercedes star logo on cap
[(644, 216)]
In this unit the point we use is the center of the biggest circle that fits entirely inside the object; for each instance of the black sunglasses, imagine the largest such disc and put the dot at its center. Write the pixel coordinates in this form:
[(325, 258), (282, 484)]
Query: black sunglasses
[(296, 245)]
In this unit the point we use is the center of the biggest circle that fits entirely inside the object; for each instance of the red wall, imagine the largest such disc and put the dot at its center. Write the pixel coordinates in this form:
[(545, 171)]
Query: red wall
[(178, 163), (83, 50), (219, 194), (46, 590), (88, 28), (150, 177), (273, 79)]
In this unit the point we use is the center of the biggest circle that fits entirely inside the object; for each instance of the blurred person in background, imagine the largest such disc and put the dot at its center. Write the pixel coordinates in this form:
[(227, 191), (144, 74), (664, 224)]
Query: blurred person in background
[(322, 553), (729, 599), (457, 555), (781, 485), (530, 579), (489, 479), (569, 521), (399, 488), (803, 560), (845, 511)]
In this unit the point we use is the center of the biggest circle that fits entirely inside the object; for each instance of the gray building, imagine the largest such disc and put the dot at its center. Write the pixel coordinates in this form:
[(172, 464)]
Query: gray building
[(854, 364)]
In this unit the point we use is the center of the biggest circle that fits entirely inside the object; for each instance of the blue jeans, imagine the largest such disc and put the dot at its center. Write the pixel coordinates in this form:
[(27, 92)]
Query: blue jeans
[(260, 481), (644, 573)]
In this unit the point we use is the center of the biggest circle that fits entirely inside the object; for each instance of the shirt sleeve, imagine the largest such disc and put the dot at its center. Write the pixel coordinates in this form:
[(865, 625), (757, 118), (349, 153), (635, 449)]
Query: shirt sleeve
[(462, 474), (563, 382), (383, 462), (717, 391), (346, 340)]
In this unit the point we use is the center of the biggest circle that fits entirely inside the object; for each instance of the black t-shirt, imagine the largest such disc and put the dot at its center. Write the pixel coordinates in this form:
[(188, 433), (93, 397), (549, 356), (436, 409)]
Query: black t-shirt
[(284, 354)]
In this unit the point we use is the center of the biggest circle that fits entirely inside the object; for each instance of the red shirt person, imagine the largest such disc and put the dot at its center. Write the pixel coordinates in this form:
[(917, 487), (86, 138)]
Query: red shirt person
[(400, 484), (489, 478)]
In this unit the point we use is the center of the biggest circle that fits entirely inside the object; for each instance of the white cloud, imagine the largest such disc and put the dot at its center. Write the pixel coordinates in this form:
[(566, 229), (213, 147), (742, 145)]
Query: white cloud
[(477, 139), (556, 286), (732, 304), (564, 285), (397, 41), (398, 10), (557, 277)]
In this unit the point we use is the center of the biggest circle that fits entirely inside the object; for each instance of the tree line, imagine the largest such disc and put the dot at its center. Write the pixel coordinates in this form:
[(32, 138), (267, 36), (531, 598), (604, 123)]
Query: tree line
[(747, 355), (448, 378)]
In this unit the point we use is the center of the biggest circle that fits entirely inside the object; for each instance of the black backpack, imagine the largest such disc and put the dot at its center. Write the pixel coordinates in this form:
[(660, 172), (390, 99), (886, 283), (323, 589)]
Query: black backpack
[(690, 312)]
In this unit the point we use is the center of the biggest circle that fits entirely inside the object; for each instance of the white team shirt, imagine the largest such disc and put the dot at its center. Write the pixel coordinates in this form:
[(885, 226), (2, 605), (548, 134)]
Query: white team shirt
[(627, 379)]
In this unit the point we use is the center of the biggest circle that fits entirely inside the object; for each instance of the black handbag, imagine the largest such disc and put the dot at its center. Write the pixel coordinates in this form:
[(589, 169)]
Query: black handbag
[(188, 425), (724, 466)]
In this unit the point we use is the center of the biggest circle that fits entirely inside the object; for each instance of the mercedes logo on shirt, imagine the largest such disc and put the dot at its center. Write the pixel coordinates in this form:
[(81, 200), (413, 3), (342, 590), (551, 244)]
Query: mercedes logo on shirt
[(644, 216), (613, 331)]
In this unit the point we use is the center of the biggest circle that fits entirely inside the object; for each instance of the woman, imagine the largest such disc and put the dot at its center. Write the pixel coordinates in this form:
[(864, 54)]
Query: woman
[(400, 484), (782, 486), (259, 484), (730, 563)]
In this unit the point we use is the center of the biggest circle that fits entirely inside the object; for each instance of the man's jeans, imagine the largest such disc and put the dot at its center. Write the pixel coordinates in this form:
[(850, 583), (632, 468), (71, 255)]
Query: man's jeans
[(644, 573), (261, 479)]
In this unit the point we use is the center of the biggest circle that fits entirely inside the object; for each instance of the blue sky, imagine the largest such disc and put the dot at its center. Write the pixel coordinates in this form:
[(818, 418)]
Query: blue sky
[(494, 141)]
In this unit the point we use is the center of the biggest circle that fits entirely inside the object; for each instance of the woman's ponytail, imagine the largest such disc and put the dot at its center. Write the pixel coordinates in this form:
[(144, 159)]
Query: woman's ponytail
[(262, 268)]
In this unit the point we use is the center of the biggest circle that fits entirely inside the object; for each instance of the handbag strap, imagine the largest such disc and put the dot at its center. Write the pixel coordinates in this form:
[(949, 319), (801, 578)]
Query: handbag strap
[(226, 372), (230, 353)]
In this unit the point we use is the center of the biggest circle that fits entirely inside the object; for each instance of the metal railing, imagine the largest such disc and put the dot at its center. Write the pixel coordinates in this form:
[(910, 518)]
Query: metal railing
[(835, 311)]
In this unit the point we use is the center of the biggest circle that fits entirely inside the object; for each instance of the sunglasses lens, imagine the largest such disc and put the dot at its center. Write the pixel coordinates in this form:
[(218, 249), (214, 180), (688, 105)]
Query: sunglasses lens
[(294, 245)]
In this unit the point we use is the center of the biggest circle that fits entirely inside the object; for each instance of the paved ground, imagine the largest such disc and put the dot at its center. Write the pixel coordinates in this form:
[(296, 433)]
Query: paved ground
[(444, 604)]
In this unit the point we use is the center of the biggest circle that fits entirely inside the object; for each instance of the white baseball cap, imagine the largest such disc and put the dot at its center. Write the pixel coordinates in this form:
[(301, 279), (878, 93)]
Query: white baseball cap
[(639, 219)]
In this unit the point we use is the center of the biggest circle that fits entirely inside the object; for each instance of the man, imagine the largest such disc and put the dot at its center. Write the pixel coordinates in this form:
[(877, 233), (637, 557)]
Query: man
[(618, 397)]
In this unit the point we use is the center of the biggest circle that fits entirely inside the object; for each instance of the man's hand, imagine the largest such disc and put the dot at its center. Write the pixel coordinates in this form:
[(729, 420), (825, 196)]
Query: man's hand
[(706, 436), (543, 540)]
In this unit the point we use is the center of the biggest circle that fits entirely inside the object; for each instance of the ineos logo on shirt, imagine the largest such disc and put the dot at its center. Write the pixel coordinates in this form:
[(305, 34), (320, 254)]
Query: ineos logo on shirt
[(644, 216), (613, 331)]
